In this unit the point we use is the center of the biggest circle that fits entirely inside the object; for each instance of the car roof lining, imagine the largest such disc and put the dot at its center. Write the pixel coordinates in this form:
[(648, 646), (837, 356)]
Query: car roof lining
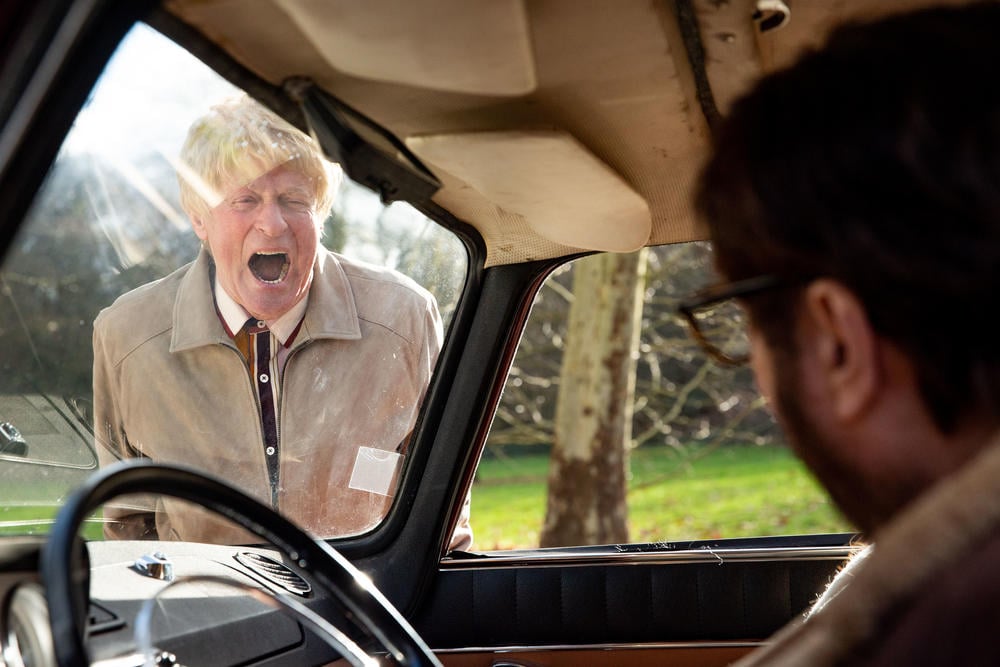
[(617, 81)]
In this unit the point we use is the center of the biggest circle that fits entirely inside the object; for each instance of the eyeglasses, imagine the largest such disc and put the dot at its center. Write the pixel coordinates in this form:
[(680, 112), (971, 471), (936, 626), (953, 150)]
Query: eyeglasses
[(719, 323)]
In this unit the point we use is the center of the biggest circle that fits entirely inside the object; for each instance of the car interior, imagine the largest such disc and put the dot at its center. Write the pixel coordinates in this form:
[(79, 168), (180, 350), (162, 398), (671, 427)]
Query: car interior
[(490, 150)]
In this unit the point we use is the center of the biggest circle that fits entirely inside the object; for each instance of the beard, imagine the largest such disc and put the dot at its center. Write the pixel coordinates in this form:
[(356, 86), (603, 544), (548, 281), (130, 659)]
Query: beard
[(850, 491)]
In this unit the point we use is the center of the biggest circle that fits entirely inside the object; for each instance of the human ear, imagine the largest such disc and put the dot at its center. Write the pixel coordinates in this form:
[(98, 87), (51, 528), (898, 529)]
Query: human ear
[(844, 348), (199, 227)]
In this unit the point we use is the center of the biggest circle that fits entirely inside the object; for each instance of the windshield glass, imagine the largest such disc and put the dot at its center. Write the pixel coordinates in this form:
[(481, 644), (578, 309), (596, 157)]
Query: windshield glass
[(241, 329)]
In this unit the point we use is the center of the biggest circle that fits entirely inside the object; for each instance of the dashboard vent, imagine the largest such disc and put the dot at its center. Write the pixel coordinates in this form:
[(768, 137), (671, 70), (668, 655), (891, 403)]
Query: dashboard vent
[(274, 571)]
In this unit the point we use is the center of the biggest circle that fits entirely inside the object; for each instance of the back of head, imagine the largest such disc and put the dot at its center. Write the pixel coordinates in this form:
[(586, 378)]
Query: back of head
[(239, 140), (876, 161)]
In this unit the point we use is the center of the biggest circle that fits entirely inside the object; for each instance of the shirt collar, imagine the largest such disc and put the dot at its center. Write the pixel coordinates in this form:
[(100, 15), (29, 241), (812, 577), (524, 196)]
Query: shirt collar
[(331, 312), (234, 316)]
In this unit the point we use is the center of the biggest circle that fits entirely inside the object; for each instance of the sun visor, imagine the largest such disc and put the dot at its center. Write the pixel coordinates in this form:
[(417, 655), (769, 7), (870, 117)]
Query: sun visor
[(481, 47), (561, 190)]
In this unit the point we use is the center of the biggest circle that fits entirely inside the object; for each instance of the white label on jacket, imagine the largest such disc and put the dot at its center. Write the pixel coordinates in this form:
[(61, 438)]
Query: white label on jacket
[(374, 470)]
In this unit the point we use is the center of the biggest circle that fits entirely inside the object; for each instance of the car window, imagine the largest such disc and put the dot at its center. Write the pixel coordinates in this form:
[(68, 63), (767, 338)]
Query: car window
[(109, 220), (696, 456)]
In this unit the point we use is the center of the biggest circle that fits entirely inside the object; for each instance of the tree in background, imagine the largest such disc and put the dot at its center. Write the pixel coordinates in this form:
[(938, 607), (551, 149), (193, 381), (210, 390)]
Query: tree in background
[(683, 401), (587, 478)]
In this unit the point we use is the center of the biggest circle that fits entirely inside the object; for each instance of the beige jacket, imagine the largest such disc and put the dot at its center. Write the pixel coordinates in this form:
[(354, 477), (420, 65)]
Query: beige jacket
[(918, 597), (170, 385)]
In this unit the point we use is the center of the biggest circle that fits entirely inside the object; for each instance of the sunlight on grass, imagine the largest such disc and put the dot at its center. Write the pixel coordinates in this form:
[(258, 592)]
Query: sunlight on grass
[(38, 520), (734, 491)]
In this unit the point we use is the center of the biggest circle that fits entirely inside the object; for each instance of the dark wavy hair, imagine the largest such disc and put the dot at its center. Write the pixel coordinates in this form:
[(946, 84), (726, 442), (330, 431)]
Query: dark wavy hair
[(875, 161)]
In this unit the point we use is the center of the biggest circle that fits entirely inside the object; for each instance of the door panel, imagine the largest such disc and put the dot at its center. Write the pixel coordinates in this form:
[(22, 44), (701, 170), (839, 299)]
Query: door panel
[(718, 595)]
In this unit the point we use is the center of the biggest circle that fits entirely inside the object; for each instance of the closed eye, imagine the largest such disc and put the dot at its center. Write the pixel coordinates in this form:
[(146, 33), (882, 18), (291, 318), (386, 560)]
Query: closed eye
[(243, 201), (297, 204)]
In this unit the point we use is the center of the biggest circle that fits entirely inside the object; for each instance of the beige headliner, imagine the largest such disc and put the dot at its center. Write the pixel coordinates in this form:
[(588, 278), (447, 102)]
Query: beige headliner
[(480, 89)]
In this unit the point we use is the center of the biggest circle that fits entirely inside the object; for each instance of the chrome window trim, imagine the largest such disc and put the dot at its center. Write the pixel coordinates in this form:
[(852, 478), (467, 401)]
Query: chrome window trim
[(491, 560), (655, 646)]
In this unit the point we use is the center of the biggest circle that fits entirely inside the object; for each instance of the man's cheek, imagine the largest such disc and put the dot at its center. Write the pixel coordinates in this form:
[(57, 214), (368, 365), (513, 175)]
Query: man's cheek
[(763, 369)]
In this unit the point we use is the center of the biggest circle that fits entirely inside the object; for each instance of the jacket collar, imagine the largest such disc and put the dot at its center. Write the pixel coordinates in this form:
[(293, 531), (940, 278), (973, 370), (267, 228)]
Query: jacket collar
[(331, 313)]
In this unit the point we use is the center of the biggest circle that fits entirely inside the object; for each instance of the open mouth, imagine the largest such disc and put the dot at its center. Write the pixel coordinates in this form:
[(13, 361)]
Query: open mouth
[(269, 267)]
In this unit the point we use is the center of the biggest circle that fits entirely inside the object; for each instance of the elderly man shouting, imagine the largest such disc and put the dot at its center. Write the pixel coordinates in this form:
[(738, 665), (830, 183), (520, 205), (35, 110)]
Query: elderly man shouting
[(292, 372)]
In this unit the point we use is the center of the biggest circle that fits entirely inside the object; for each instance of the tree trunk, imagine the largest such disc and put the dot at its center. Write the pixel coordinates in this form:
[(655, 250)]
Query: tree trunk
[(588, 471)]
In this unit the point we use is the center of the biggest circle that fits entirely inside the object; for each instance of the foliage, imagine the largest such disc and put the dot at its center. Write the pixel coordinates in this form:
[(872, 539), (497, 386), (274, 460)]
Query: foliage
[(681, 395), (89, 239)]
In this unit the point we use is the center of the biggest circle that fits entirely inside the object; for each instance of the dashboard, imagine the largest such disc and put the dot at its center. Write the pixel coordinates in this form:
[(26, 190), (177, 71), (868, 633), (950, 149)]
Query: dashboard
[(194, 616)]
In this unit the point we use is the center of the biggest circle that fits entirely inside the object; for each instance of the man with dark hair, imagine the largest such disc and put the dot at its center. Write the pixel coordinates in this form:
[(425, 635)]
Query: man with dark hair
[(853, 201)]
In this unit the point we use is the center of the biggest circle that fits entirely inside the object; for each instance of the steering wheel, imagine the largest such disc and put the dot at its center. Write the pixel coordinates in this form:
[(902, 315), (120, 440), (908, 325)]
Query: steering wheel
[(60, 561)]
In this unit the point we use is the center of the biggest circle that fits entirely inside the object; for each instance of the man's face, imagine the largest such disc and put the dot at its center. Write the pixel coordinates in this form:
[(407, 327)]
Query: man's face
[(264, 238)]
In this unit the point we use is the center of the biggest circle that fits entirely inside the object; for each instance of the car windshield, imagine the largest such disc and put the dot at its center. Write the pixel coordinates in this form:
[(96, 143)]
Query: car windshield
[(109, 220)]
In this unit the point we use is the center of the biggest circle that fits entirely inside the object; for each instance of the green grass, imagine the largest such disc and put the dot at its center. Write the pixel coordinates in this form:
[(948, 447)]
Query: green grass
[(36, 520), (734, 491)]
